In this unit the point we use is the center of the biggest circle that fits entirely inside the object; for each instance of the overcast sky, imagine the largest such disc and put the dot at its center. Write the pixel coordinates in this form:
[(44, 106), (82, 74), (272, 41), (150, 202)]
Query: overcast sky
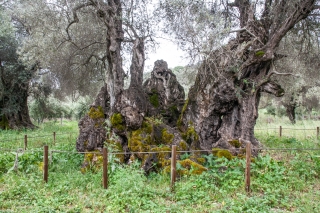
[(167, 51)]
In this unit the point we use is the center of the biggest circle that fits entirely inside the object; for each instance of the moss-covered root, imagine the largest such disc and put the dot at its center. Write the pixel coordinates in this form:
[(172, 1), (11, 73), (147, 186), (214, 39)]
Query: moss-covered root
[(187, 167), (190, 135), (235, 143), (220, 153), (93, 161)]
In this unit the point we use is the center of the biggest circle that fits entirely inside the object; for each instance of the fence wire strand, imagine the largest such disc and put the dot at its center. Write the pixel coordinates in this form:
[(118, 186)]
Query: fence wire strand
[(40, 136), (158, 152)]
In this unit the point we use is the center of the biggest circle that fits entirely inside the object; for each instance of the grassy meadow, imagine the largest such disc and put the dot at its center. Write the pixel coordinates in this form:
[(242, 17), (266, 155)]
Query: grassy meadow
[(281, 180)]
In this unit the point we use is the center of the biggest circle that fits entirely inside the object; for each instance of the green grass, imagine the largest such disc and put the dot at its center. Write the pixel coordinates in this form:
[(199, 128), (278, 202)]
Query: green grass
[(303, 134), (280, 181), (43, 135)]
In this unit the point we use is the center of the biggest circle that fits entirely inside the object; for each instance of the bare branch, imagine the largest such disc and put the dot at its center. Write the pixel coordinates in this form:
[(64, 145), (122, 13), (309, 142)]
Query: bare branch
[(275, 72), (250, 33)]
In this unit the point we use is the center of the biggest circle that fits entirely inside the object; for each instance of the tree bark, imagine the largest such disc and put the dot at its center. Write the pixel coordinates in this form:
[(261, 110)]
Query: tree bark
[(115, 74), (133, 105)]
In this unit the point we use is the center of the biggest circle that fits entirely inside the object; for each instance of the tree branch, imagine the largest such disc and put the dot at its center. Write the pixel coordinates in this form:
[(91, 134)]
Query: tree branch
[(75, 16), (301, 12), (250, 33), (274, 72)]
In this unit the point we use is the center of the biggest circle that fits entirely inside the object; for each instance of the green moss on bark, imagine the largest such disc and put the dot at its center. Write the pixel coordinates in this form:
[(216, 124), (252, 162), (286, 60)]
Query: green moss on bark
[(235, 143), (96, 113), (117, 122), (167, 138), (190, 135), (184, 108)]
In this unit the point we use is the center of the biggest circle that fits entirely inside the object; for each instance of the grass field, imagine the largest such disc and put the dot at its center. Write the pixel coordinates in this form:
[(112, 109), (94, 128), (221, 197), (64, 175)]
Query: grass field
[(281, 181)]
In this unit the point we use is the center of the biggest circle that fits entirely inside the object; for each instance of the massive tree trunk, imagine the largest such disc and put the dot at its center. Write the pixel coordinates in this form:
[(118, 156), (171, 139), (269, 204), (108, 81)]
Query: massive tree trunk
[(222, 106), (223, 103)]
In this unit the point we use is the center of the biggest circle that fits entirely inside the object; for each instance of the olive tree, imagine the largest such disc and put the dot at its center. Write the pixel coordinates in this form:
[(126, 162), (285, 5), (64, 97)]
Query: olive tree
[(223, 103)]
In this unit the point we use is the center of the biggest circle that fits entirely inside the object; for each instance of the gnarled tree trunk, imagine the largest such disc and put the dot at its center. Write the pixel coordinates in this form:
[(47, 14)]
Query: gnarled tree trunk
[(223, 103)]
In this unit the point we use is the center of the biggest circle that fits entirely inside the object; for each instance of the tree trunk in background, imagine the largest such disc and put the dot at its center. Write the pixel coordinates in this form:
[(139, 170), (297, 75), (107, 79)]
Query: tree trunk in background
[(14, 85), (291, 109)]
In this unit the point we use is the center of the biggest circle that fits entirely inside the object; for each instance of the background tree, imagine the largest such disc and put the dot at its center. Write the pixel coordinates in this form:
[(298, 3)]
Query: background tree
[(14, 79), (301, 48)]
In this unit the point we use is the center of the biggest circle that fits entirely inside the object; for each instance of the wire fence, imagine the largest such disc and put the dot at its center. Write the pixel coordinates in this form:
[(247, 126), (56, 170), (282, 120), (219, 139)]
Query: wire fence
[(31, 141), (37, 141), (173, 155)]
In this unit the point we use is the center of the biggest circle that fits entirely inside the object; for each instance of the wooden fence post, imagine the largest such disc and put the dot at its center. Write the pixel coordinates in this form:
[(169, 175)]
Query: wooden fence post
[(45, 164), (280, 131), (25, 142), (247, 172), (54, 138), (173, 166), (105, 168), (318, 133)]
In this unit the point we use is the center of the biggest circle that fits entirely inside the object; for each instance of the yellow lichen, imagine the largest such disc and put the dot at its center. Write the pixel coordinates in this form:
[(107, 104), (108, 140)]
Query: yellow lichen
[(137, 143), (184, 108), (163, 156), (147, 126), (183, 146), (201, 160)]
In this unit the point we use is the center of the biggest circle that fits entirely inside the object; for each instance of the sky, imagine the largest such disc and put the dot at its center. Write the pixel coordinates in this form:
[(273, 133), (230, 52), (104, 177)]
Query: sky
[(167, 51)]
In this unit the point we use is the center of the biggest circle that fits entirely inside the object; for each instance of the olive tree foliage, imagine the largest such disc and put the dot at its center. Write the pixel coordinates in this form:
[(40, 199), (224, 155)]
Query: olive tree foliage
[(197, 27), (302, 60), (72, 39), (73, 57), (223, 103)]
